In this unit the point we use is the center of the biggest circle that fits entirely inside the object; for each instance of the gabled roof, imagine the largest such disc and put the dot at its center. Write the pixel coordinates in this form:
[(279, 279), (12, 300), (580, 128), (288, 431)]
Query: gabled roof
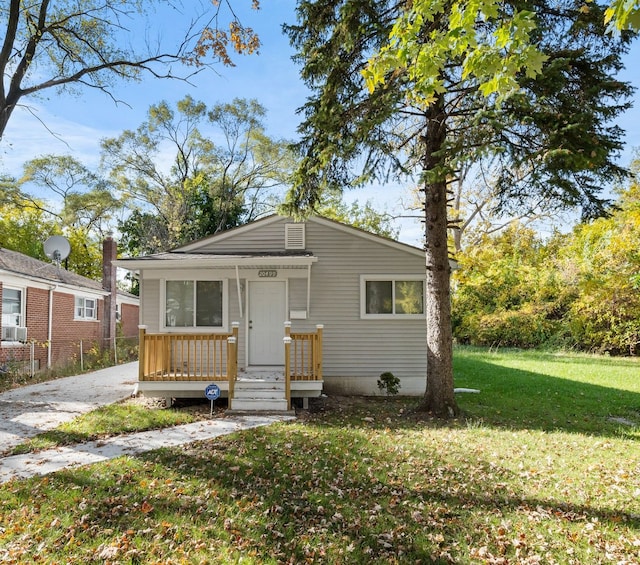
[(22, 265), (194, 246)]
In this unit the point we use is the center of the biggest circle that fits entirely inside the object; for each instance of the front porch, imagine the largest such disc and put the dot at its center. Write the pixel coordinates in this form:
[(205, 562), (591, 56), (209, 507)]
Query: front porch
[(176, 365)]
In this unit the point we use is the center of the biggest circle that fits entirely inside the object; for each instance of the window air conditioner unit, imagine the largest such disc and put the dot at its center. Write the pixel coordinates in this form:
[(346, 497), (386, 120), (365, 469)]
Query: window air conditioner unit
[(14, 333)]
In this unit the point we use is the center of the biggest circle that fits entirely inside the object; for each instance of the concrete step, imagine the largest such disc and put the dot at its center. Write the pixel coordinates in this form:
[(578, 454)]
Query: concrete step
[(251, 384), (239, 392), (258, 404)]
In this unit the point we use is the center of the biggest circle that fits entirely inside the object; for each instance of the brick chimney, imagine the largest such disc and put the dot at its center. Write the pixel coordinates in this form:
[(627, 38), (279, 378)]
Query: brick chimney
[(109, 254)]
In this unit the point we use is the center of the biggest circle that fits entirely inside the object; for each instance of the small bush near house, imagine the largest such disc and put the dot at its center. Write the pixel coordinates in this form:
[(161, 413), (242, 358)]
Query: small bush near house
[(389, 383)]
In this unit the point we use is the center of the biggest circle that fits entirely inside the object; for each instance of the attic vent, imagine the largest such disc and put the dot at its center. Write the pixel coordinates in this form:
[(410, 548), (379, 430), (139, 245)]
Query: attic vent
[(294, 236)]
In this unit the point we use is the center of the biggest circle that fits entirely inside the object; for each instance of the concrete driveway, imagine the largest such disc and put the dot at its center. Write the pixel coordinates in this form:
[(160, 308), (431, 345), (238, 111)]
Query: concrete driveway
[(29, 410)]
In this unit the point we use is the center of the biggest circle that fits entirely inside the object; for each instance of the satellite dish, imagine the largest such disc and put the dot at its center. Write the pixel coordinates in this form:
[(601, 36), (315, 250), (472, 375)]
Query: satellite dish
[(57, 248)]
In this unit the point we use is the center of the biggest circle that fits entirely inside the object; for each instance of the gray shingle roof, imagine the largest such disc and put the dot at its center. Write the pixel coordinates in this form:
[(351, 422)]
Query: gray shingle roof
[(21, 264)]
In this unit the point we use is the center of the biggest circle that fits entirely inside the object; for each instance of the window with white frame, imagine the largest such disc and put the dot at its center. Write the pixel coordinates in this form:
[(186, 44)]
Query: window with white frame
[(86, 308), (385, 297), (194, 304), (12, 307)]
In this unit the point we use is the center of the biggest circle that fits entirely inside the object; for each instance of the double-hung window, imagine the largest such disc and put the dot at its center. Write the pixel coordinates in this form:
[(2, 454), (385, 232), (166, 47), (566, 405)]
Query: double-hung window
[(194, 304), (86, 308), (12, 307), (399, 297)]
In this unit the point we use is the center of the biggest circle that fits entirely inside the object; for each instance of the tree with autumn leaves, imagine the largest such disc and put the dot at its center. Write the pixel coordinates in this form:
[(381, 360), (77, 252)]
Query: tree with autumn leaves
[(92, 43), (576, 290)]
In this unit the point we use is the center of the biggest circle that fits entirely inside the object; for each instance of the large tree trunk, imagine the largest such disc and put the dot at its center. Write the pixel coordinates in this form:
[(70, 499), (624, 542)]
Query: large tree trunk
[(439, 398)]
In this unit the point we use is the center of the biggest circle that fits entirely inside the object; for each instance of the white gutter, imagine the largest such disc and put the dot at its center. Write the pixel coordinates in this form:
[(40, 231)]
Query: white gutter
[(275, 261)]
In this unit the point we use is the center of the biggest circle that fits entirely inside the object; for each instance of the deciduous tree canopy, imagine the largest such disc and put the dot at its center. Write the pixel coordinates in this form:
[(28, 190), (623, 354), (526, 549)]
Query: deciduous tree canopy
[(94, 43), (193, 171)]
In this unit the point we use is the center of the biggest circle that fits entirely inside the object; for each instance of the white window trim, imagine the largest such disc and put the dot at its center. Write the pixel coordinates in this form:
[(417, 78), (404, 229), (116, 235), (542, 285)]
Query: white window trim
[(23, 300), (85, 318), (392, 278), (224, 328)]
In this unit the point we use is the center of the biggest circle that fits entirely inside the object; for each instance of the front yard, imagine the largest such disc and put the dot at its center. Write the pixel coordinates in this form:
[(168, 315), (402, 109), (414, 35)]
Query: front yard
[(539, 471)]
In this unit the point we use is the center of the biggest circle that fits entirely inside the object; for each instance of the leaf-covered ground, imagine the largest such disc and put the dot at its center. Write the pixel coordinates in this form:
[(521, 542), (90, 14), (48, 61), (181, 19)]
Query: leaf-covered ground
[(355, 481)]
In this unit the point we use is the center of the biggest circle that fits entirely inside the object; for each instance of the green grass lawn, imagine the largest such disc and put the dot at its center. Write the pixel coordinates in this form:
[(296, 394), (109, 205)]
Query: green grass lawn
[(536, 472)]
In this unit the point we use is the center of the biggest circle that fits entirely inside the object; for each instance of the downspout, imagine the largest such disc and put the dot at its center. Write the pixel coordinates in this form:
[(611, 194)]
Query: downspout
[(50, 328), (239, 291), (309, 291)]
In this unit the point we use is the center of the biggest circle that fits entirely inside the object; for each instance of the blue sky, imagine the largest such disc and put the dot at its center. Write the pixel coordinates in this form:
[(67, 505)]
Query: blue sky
[(271, 77)]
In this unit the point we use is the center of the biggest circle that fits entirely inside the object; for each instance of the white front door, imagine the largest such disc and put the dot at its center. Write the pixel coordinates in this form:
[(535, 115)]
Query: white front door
[(267, 311)]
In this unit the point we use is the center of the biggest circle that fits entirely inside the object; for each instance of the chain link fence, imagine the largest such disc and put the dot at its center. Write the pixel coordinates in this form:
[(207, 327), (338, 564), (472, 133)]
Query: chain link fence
[(64, 357)]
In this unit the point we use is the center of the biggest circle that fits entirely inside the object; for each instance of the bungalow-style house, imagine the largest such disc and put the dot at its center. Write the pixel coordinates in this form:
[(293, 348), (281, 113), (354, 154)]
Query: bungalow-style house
[(279, 309), (48, 311)]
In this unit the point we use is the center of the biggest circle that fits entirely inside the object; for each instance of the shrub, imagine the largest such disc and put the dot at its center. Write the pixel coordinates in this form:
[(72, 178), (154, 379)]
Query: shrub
[(389, 383)]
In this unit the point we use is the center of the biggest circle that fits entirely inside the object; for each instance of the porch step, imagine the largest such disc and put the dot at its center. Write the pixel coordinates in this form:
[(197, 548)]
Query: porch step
[(258, 405), (259, 391), (243, 390)]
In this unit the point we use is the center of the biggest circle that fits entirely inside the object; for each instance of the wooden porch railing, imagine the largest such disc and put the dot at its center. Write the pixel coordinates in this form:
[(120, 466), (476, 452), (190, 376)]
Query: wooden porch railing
[(302, 357), (188, 357), (305, 354)]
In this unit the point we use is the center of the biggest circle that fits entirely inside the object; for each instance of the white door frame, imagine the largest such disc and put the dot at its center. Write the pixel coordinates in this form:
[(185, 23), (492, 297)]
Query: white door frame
[(276, 326)]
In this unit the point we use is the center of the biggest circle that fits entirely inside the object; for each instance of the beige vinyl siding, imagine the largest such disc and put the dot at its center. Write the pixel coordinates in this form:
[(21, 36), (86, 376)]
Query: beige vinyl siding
[(298, 295), (150, 293), (266, 236), (354, 346)]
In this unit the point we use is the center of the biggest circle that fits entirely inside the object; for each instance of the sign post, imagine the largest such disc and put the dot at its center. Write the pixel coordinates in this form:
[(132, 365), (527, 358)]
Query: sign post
[(212, 392)]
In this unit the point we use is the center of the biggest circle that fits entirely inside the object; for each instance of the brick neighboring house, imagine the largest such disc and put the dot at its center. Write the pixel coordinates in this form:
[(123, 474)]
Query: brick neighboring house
[(50, 310)]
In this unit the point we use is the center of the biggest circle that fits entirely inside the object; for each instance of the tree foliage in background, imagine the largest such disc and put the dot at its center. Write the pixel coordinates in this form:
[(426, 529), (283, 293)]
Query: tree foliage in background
[(96, 43), (25, 225), (623, 14), (362, 216), (58, 195), (509, 291), (601, 261), (71, 194), (549, 139), (194, 171), (578, 290)]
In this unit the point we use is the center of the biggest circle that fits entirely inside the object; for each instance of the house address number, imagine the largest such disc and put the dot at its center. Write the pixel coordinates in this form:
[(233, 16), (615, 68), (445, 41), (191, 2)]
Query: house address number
[(268, 274)]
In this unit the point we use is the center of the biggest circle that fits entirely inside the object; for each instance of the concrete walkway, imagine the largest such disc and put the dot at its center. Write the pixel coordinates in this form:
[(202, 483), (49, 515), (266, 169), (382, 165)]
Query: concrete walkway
[(30, 410)]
